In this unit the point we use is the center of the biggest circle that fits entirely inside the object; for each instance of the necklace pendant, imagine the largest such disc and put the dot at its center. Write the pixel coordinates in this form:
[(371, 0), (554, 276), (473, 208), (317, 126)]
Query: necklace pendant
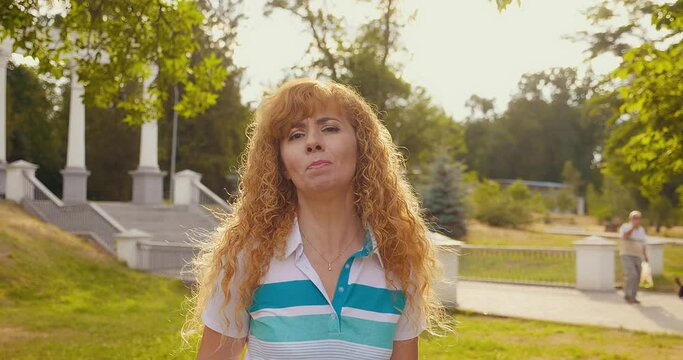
[(329, 267)]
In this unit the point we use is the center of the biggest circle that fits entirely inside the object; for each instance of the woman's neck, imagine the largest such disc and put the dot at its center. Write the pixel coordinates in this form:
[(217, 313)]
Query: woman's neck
[(329, 222)]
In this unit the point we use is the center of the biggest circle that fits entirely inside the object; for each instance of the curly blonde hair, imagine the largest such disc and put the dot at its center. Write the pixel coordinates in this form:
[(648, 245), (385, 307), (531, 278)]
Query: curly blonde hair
[(264, 210)]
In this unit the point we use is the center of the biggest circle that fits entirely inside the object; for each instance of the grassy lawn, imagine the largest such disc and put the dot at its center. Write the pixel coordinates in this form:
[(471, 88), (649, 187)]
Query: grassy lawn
[(480, 234), (488, 337), (61, 298)]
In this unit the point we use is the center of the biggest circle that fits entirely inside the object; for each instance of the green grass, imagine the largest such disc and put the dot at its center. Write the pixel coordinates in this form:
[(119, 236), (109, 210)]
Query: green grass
[(479, 234), (488, 337), (518, 266), (61, 298)]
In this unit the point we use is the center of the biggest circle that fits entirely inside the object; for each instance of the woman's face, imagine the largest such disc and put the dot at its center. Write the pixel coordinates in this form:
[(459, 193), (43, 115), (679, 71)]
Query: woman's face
[(319, 153)]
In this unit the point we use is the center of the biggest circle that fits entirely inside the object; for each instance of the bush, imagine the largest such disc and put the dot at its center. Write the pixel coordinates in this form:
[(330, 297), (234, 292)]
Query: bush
[(513, 206)]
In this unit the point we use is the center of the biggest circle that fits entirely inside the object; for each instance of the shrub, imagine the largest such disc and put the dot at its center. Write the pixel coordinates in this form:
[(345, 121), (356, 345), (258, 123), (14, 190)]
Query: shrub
[(513, 206)]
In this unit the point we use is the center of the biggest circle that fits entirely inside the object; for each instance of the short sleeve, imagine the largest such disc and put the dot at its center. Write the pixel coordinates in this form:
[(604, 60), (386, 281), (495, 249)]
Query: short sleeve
[(216, 320), (411, 324)]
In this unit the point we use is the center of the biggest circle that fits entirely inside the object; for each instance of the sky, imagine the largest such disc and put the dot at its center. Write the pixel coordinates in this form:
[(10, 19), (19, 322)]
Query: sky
[(453, 48)]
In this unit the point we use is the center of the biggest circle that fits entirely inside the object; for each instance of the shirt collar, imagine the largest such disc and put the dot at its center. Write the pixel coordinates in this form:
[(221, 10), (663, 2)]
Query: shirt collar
[(294, 242)]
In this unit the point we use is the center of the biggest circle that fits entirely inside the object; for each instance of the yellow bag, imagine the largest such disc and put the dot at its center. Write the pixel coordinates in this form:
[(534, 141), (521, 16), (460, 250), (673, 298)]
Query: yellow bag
[(646, 276)]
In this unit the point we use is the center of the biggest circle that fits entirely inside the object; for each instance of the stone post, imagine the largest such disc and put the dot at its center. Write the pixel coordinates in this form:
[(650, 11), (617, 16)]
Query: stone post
[(595, 263), (17, 185), (655, 254), (184, 192), (448, 255), (127, 248)]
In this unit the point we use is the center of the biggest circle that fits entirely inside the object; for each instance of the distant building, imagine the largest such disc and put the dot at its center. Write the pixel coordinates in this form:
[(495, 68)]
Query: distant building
[(542, 186)]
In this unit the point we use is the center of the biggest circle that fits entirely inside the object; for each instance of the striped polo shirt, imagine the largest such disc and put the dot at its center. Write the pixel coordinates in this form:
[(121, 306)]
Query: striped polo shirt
[(292, 317)]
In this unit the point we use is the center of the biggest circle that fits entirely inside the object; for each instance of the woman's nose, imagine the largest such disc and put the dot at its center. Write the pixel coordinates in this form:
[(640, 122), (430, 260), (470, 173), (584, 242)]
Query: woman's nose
[(313, 142)]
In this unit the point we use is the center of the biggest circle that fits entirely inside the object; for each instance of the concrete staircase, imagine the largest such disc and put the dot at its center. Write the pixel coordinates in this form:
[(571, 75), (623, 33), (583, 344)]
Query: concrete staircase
[(166, 223)]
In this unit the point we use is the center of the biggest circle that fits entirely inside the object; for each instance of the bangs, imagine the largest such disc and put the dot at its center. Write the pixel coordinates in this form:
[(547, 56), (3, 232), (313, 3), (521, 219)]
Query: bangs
[(294, 103)]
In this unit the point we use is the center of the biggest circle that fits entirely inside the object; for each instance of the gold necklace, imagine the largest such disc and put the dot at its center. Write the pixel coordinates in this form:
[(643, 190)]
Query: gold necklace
[(329, 263)]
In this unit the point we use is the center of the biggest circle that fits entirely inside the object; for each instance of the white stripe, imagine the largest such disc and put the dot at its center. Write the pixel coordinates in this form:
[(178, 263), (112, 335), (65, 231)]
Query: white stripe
[(283, 270), (370, 315), (319, 349), (294, 311)]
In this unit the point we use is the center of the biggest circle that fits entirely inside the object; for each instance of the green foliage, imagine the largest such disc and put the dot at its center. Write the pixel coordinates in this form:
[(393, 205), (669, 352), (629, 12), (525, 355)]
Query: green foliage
[(545, 124), (563, 200), (644, 148), (513, 206), (34, 131), (612, 203), (444, 197), (364, 61), (503, 4), (115, 43), (572, 177)]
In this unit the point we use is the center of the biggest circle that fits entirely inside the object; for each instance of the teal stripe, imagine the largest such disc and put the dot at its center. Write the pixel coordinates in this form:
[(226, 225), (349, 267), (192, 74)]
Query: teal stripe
[(370, 298), (286, 294), (323, 327)]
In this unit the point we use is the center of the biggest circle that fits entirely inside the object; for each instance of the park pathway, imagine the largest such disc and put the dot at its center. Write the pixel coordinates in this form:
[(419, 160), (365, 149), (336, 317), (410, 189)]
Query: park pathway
[(658, 312)]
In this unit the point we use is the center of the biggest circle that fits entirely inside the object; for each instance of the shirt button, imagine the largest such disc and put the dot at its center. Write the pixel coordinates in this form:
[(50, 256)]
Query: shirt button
[(347, 266), (341, 289), (333, 316)]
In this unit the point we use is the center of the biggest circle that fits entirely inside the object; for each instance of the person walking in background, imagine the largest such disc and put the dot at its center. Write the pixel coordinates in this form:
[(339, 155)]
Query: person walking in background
[(633, 250)]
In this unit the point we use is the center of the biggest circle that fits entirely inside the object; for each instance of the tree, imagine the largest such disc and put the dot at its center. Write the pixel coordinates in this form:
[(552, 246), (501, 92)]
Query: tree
[(613, 202), (444, 197), (547, 123), (34, 131), (572, 177), (645, 146), (115, 43), (365, 62)]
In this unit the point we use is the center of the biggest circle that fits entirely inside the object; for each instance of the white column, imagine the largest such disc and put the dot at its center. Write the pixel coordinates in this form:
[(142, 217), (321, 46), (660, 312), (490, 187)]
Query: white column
[(5, 53), (149, 137), (75, 150), (148, 186), (149, 134), (595, 263), (75, 175)]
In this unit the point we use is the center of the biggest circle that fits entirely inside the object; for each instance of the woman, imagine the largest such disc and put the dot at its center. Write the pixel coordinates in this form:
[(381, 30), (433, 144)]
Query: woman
[(325, 255)]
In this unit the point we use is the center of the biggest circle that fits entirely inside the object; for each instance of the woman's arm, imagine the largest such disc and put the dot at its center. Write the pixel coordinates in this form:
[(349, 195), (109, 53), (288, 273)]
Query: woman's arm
[(405, 349), (211, 348)]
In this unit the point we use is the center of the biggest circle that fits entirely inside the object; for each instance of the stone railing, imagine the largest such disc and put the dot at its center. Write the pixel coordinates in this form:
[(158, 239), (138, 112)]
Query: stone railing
[(84, 219), (140, 252)]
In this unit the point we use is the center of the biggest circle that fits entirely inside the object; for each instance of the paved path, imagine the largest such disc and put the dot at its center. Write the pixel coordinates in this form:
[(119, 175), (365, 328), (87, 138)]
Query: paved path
[(658, 312)]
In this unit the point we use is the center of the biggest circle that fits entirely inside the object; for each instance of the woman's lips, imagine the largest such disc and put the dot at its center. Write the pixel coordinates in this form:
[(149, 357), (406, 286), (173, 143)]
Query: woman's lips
[(318, 164)]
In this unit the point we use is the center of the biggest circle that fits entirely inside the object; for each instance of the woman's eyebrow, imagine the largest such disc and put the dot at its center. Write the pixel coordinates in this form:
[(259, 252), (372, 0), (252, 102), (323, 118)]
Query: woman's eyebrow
[(320, 120)]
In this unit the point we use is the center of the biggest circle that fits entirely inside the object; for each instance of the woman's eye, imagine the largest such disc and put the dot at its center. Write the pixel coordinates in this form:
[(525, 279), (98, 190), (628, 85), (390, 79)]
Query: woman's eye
[(295, 136), (331, 129)]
